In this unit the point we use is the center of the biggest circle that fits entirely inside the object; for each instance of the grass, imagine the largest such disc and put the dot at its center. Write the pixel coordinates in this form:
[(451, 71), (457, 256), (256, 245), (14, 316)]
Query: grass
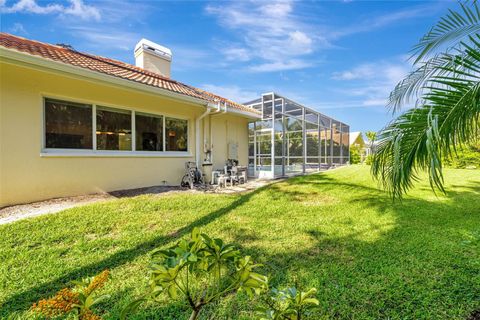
[(336, 231)]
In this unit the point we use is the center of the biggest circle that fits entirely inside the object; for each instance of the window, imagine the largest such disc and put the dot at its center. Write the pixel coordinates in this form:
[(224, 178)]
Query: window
[(114, 129), (148, 132), (78, 126), (177, 133), (68, 125)]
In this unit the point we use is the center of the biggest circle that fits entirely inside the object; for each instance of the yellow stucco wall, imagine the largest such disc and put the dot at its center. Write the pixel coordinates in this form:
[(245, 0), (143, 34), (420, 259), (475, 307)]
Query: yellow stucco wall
[(26, 175)]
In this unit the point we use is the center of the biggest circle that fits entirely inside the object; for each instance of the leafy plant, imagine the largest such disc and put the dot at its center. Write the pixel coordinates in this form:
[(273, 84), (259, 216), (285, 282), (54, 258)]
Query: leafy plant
[(200, 270), (371, 135), (465, 157), (355, 154), (369, 160), (446, 89), (77, 302), (288, 304)]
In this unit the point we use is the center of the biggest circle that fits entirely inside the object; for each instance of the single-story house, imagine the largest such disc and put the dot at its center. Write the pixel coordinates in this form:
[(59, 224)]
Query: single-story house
[(73, 123), (356, 139)]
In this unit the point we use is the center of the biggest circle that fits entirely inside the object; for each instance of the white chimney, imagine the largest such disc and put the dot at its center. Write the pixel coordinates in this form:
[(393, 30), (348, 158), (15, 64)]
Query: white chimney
[(153, 57)]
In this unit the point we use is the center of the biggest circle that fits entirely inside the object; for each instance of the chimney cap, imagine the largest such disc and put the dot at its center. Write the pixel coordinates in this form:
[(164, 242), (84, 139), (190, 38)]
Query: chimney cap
[(154, 48)]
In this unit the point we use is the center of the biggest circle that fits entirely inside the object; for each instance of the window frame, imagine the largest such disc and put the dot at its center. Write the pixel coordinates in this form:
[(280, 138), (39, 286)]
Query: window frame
[(61, 152)]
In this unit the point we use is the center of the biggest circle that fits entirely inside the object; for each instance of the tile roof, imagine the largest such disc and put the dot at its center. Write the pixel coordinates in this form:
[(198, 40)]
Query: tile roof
[(111, 67)]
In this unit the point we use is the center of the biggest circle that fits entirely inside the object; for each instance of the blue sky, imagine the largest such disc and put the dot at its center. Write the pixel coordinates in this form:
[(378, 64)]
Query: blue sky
[(341, 58)]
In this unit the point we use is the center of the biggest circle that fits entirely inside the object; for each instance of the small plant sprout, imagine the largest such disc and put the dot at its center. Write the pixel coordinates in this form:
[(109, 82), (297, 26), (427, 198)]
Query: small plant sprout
[(200, 270), (288, 304)]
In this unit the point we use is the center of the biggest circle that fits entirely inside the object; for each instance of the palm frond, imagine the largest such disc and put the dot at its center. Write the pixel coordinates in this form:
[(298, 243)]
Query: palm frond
[(451, 29), (421, 137), (411, 88)]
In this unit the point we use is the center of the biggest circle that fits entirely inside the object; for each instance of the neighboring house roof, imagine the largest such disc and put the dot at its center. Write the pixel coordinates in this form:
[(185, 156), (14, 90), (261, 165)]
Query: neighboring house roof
[(356, 137), (111, 67)]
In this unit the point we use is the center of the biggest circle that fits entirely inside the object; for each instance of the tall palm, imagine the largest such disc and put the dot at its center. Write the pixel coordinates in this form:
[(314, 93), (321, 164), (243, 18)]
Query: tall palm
[(445, 86)]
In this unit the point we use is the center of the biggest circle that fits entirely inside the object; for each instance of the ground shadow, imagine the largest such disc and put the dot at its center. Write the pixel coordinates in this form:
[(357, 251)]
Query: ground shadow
[(24, 299), (348, 253)]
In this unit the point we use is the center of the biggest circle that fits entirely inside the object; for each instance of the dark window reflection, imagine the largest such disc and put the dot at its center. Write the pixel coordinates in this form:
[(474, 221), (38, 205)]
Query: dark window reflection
[(114, 129), (148, 132), (68, 125), (177, 134)]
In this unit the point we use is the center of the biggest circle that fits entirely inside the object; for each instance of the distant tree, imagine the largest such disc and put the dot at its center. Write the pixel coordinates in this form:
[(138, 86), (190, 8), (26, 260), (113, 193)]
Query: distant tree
[(445, 86), (371, 135), (355, 154)]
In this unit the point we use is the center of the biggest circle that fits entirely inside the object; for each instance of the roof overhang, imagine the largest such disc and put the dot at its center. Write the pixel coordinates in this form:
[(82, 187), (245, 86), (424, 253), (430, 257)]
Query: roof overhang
[(15, 57)]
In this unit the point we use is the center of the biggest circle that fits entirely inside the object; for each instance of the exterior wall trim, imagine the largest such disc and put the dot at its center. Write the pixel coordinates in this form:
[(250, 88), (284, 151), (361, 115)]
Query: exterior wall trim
[(68, 153)]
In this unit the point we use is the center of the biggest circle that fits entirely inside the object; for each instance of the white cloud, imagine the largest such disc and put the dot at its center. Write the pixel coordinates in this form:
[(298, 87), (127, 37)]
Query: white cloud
[(124, 13), (186, 58), (269, 33), (277, 37), (18, 28), (233, 93), (77, 8), (236, 54), (390, 18), (280, 66), (360, 72), (106, 38), (371, 83), (80, 9)]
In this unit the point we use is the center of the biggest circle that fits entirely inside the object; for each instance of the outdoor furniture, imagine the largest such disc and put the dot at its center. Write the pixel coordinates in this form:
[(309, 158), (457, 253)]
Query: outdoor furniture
[(242, 174), (232, 174), (215, 176)]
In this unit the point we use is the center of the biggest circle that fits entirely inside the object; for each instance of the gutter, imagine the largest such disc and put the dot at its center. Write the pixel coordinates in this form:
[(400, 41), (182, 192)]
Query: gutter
[(12, 56), (15, 57)]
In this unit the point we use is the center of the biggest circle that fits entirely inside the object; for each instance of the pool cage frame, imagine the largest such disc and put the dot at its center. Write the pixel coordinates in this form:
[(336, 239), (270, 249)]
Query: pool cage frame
[(292, 139)]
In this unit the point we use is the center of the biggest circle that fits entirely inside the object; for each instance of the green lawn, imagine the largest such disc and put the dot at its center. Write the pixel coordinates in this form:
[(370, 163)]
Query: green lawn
[(336, 231)]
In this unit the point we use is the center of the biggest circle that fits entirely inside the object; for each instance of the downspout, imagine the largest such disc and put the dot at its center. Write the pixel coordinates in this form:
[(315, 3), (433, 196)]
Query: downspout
[(219, 111), (197, 133)]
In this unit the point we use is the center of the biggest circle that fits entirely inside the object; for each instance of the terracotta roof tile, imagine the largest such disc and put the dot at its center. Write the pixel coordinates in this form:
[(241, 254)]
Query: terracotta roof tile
[(111, 67)]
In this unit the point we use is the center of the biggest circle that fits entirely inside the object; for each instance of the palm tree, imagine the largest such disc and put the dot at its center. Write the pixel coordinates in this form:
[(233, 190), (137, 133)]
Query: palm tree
[(445, 87), (371, 136)]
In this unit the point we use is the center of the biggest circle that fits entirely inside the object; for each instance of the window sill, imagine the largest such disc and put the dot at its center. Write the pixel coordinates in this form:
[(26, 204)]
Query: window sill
[(112, 154)]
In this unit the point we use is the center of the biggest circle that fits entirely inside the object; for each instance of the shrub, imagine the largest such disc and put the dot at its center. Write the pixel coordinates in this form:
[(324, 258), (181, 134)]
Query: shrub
[(200, 270), (288, 304), (466, 157), (355, 154), (77, 301)]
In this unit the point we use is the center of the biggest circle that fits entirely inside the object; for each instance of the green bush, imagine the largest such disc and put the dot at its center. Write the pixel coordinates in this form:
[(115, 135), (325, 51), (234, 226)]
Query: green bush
[(200, 270), (355, 155), (288, 304), (467, 157)]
